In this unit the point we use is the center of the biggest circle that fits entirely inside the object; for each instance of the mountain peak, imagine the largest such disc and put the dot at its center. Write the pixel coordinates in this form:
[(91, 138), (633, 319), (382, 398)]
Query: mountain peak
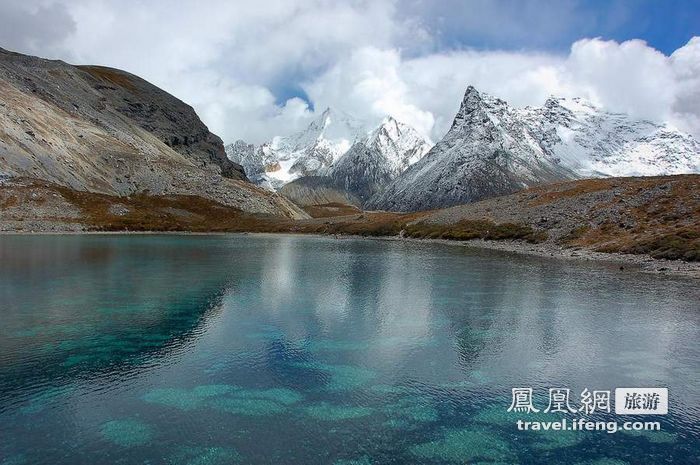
[(552, 102), (395, 130), (494, 149), (389, 123), (471, 90), (476, 106), (326, 115), (472, 98)]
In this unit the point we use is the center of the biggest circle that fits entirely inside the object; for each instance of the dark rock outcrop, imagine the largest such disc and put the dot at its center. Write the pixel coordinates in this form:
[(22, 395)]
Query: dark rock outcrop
[(89, 91)]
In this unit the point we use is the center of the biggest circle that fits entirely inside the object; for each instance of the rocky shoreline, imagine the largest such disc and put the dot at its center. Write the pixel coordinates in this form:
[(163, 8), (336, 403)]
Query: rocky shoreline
[(626, 262)]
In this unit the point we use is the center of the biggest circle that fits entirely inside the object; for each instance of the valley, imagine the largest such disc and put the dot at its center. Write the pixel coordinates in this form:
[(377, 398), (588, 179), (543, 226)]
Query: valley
[(654, 217), (95, 149)]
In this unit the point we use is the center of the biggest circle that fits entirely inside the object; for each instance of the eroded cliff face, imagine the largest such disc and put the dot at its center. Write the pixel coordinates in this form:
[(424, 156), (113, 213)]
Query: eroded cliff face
[(107, 131)]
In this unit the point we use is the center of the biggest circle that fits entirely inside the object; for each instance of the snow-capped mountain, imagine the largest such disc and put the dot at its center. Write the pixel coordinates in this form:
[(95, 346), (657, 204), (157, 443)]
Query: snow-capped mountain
[(594, 142), (255, 160), (306, 153), (376, 160), (494, 149), (317, 150)]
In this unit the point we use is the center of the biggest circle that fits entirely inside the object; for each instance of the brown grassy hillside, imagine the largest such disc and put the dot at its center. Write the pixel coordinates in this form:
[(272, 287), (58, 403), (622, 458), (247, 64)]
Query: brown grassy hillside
[(659, 216)]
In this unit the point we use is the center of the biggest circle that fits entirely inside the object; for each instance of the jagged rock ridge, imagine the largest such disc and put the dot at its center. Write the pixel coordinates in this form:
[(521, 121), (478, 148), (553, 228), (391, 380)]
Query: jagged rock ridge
[(309, 152), (373, 162), (494, 149)]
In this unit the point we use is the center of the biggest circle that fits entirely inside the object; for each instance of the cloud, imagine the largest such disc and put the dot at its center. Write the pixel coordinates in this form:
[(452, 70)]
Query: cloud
[(628, 77), (25, 26), (369, 83), (231, 60), (507, 23), (685, 63), (248, 66)]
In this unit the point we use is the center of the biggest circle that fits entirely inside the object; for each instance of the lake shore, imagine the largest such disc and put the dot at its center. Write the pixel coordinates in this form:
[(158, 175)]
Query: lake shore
[(650, 224), (626, 262)]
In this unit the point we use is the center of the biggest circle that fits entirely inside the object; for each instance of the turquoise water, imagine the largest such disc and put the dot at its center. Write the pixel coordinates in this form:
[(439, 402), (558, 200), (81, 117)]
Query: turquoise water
[(301, 350)]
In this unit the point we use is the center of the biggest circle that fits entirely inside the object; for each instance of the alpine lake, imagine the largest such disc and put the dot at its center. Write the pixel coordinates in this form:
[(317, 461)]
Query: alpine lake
[(302, 350)]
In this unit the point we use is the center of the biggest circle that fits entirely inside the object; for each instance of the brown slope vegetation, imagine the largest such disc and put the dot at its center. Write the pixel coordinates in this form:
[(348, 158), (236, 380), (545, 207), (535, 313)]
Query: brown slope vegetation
[(28, 205), (658, 216), (331, 209)]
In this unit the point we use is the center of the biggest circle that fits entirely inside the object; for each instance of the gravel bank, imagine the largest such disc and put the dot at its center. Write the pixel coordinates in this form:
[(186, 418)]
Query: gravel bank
[(628, 262)]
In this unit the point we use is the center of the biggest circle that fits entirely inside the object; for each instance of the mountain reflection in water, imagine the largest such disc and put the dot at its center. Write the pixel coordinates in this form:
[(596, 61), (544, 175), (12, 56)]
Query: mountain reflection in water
[(305, 350)]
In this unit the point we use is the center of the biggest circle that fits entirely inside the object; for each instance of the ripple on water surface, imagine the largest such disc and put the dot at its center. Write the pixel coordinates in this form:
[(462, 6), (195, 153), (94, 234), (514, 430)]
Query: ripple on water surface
[(257, 350), (226, 398), (127, 432)]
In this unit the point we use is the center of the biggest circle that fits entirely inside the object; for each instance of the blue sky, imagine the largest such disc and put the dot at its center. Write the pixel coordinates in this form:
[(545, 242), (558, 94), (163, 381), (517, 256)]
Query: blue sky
[(665, 25), (253, 69), (554, 24), (536, 25)]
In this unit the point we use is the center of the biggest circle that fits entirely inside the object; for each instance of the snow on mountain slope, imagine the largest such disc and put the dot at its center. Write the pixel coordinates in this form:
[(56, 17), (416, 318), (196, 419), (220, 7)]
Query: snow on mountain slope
[(375, 161), (316, 150), (494, 149), (595, 142), (255, 160), (305, 153)]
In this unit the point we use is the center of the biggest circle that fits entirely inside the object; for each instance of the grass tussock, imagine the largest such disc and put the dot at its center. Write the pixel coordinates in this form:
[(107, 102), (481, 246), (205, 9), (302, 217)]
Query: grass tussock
[(682, 244), (330, 210), (8, 202), (144, 212), (475, 229), (554, 192), (656, 216), (370, 224), (575, 234)]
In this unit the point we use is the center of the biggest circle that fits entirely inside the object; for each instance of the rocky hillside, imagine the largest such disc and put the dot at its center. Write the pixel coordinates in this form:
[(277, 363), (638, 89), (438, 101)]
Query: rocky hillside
[(658, 215), (654, 216), (106, 131), (494, 149), (317, 190)]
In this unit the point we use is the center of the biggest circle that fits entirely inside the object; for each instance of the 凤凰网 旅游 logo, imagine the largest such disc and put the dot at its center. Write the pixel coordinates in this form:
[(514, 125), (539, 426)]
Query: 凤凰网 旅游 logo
[(641, 401), (627, 401)]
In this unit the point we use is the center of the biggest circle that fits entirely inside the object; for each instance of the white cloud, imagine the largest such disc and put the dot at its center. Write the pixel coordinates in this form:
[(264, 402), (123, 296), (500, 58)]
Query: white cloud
[(24, 26), (368, 83), (227, 58), (629, 77), (686, 67), (235, 61)]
